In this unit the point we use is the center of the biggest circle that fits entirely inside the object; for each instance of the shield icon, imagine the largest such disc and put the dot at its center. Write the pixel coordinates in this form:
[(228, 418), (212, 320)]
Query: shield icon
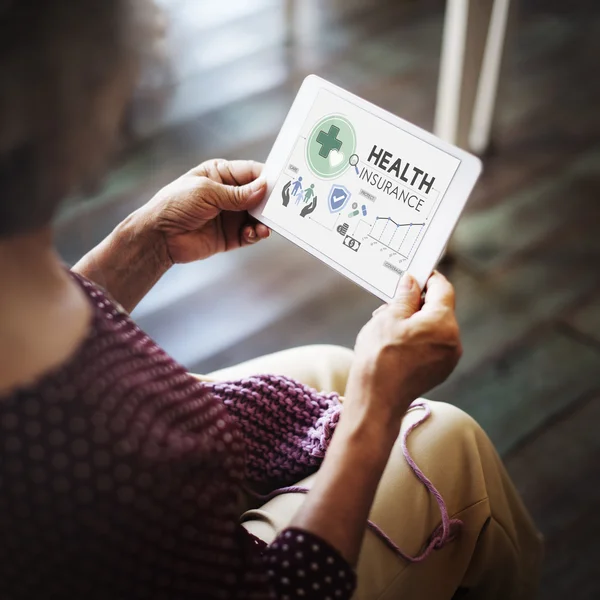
[(338, 198)]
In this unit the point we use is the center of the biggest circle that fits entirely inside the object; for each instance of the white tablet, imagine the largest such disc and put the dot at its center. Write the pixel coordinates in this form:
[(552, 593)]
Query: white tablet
[(368, 193)]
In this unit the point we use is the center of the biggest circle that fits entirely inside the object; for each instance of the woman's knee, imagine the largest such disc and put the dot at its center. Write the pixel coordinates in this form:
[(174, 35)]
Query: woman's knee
[(447, 426), (451, 420), (331, 366), (452, 449), (339, 356), (477, 486), (455, 452)]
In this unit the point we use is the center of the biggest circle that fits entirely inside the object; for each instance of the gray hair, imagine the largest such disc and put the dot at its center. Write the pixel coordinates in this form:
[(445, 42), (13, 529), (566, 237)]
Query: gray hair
[(66, 69)]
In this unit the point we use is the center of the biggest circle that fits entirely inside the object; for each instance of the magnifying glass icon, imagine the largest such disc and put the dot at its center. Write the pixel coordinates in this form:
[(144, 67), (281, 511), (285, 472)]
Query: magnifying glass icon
[(353, 160)]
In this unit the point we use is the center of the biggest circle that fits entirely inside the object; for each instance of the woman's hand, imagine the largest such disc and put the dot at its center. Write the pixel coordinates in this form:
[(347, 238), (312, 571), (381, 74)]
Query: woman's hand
[(405, 349), (205, 211), (201, 213), (401, 353)]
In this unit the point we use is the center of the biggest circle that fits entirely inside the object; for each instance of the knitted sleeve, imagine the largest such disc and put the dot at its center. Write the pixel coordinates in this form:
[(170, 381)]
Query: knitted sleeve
[(286, 425)]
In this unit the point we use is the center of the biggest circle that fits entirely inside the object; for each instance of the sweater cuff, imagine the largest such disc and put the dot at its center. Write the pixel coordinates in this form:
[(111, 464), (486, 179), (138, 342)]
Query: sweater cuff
[(302, 565)]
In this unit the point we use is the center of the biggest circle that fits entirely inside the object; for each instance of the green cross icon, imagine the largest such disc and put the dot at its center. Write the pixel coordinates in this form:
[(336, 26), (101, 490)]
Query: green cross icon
[(329, 141), (329, 146)]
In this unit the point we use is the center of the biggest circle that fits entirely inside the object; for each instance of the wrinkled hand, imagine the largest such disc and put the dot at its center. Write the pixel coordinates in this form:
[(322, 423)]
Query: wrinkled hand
[(404, 350), (205, 211)]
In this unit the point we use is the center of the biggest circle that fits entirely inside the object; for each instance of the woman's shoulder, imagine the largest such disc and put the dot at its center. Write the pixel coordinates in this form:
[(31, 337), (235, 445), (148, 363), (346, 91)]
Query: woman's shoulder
[(121, 388)]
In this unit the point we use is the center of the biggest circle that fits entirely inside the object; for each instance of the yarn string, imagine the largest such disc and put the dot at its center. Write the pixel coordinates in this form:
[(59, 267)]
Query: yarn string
[(287, 428), (442, 535)]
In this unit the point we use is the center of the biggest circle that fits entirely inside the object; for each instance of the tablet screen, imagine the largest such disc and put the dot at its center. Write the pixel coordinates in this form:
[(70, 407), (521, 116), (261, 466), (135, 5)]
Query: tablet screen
[(360, 190)]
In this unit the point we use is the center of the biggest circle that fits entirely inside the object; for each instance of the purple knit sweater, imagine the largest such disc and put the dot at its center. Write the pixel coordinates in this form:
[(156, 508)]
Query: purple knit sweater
[(286, 425), (120, 477)]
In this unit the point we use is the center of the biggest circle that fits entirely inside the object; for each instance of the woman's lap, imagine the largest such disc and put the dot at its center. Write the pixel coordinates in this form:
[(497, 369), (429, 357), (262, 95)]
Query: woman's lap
[(497, 553), (322, 367)]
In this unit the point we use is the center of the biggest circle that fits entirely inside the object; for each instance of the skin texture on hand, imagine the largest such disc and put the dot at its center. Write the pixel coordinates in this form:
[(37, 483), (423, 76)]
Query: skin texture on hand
[(401, 353), (406, 349), (201, 213), (205, 211)]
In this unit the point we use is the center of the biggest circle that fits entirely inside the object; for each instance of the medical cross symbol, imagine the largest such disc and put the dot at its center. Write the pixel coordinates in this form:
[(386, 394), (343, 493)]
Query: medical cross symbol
[(328, 145), (329, 141)]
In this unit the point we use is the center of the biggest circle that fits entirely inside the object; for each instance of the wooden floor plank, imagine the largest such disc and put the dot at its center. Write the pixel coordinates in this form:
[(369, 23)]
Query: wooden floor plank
[(496, 309), (585, 318), (225, 312), (558, 473), (334, 317), (518, 393), (492, 237)]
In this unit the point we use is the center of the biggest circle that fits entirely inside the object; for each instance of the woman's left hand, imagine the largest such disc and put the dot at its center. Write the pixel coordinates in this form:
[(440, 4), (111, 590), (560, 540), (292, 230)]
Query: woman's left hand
[(201, 213), (205, 211)]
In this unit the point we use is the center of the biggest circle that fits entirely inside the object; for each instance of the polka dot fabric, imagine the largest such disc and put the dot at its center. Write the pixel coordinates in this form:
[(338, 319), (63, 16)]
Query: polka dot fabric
[(120, 477), (306, 567)]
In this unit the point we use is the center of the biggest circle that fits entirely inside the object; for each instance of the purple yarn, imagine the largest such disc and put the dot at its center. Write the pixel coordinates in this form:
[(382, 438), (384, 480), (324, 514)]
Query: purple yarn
[(287, 427)]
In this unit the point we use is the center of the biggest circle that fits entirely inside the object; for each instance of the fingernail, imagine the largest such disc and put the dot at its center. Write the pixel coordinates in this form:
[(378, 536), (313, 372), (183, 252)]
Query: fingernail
[(407, 282), (251, 234)]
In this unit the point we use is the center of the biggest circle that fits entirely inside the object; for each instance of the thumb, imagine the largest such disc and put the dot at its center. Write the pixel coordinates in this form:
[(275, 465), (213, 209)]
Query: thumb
[(238, 197), (407, 300)]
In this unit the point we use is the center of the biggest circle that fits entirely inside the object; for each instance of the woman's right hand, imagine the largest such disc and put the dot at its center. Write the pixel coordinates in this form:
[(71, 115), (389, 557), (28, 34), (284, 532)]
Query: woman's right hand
[(401, 353), (405, 350)]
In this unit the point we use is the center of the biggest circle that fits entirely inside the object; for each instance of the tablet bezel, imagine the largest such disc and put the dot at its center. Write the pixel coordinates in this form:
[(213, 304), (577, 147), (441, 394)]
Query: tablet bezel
[(447, 214)]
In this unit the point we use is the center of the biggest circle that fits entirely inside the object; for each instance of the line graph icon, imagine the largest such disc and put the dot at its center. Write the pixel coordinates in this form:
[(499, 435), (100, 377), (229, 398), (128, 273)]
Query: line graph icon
[(398, 237)]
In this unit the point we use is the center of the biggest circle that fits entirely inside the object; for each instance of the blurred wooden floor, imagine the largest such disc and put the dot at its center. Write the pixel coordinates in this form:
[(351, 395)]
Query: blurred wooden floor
[(525, 258)]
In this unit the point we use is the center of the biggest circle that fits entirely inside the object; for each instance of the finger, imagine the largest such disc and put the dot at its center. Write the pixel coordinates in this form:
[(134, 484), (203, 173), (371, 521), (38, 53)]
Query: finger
[(262, 231), (249, 235), (229, 172), (253, 233), (407, 299), (236, 198), (438, 292), (240, 172), (233, 225)]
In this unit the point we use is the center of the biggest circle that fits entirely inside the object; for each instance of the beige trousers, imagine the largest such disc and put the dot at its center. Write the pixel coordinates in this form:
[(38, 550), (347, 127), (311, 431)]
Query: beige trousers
[(497, 555)]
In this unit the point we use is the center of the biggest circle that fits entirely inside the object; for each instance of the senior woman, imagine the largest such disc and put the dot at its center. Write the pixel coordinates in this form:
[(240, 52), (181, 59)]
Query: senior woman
[(123, 476)]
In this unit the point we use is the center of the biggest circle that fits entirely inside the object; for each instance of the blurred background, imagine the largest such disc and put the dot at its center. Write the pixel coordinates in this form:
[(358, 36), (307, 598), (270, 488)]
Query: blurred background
[(524, 258)]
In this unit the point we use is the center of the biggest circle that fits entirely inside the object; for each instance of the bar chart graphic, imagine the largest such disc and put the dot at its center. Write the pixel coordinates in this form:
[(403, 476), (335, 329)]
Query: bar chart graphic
[(398, 237)]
